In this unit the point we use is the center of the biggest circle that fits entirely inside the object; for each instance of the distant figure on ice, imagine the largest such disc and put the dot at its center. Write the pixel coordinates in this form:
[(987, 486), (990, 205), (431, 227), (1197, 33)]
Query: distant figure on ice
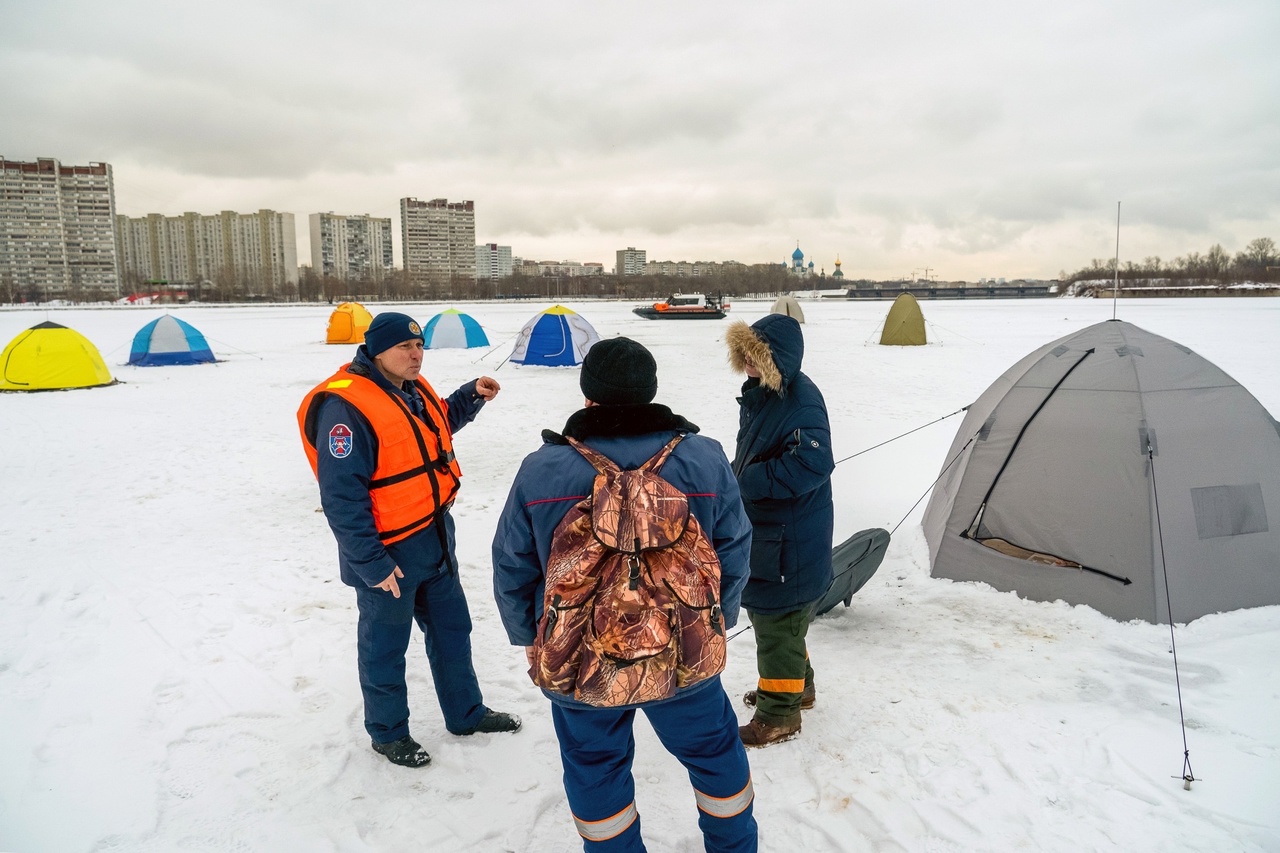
[(381, 445), (783, 463), (632, 521)]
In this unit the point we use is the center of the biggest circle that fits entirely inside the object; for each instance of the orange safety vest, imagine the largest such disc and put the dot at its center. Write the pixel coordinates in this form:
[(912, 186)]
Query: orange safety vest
[(416, 475)]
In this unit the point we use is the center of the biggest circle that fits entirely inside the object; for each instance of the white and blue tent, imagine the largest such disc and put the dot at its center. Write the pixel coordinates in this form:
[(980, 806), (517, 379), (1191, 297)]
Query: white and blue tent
[(168, 340), (453, 329), (557, 336)]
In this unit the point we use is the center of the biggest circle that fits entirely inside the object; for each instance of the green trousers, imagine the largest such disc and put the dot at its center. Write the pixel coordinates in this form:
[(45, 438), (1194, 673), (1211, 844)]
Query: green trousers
[(782, 659)]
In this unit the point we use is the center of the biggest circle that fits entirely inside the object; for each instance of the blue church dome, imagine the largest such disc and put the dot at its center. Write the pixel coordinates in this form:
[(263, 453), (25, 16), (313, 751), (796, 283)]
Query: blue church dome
[(797, 255)]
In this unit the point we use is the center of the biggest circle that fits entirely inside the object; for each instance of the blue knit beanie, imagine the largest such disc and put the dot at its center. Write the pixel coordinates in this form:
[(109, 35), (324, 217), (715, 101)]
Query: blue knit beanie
[(389, 329)]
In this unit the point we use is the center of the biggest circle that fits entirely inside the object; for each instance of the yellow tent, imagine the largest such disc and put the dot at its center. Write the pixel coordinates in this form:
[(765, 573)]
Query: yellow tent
[(50, 357), (904, 327), (347, 324)]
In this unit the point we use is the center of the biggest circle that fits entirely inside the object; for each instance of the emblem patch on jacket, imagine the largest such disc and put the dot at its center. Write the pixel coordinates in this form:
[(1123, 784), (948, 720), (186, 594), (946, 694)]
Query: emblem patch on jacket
[(340, 441)]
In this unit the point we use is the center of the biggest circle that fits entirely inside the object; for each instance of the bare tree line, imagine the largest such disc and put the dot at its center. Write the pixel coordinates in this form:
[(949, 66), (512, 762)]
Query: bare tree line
[(1258, 262)]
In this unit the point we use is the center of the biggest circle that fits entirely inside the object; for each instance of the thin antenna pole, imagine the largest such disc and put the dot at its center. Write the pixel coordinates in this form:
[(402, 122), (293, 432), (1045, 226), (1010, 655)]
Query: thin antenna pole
[(1115, 288)]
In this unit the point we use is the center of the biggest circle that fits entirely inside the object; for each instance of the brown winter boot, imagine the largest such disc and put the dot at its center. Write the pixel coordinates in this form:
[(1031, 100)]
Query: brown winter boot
[(759, 733), (807, 699)]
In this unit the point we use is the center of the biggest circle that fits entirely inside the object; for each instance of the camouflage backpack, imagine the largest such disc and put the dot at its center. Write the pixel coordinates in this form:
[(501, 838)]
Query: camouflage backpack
[(630, 612)]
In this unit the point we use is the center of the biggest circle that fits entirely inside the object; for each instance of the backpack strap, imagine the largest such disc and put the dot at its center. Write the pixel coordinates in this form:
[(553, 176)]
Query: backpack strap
[(603, 464), (655, 463)]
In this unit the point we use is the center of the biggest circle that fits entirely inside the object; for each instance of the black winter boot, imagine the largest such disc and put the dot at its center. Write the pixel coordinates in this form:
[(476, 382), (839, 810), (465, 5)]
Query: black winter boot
[(406, 752), (495, 721)]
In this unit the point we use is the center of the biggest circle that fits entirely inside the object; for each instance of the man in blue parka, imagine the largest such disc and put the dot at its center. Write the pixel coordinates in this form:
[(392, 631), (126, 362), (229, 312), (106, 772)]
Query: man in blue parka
[(381, 445), (697, 725), (783, 463)]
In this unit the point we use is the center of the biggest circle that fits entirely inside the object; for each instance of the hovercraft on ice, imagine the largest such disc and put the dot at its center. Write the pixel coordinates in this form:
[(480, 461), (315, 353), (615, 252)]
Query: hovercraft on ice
[(685, 306)]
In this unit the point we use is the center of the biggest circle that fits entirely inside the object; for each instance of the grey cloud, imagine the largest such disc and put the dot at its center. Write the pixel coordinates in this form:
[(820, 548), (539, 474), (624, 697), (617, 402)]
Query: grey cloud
[(968, 131)]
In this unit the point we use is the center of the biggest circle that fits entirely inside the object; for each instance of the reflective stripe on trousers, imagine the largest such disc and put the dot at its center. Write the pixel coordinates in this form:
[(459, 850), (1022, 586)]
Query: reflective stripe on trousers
[(726, 807), (603, 830), (782, 685)]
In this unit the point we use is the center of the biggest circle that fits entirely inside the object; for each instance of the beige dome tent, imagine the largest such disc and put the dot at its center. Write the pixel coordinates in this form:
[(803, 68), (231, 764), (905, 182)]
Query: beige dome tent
[(1107, 467), (788, 305), (347, 324), (904, 327)]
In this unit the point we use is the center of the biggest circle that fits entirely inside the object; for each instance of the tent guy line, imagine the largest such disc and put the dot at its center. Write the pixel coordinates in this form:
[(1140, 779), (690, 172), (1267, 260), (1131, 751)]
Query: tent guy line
[(1187, 775), (904, 435)]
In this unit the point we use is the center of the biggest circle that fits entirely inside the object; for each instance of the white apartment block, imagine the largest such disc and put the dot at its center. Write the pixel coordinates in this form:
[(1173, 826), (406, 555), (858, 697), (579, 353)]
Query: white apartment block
[(57, 230), (354, 247), (630, 261), (245, 254), (683, 269), (493, 261), (438, 239)]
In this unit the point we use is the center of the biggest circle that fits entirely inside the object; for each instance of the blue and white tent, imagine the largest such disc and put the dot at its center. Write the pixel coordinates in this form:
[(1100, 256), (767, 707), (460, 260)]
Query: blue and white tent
[(452, 329), (555, 337), (168, 340)]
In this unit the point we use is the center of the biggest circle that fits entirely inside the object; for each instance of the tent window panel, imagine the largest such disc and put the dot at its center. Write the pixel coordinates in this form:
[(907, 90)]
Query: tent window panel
[(1128, 349), (1059, 350), (1229, 510), (985, 431)]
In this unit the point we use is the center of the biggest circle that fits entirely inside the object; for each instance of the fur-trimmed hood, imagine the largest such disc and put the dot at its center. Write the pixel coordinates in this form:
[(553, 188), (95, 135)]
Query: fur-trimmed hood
[(775, 345)]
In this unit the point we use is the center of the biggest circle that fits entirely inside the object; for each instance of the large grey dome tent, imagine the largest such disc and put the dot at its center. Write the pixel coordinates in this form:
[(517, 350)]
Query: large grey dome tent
[(1101, 465)]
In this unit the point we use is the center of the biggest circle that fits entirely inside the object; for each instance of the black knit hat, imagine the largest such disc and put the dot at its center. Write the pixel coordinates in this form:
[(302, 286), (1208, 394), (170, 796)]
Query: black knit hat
[(619, 371), (388, 329)]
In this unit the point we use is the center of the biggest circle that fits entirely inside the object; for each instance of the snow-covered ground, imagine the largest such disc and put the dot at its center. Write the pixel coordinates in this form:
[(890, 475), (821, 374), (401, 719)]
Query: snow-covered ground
[(177, 654)]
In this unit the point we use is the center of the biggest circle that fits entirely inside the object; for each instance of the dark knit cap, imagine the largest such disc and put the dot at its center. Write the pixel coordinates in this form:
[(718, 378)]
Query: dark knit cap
[(619, 371), (389, 329)]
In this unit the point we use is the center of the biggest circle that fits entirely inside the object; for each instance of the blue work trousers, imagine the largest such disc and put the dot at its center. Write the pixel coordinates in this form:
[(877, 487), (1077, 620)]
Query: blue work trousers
[(700, 729), (439, 606)]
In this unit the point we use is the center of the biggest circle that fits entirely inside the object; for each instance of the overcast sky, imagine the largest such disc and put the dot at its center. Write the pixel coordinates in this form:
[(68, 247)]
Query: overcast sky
[(980, 138)]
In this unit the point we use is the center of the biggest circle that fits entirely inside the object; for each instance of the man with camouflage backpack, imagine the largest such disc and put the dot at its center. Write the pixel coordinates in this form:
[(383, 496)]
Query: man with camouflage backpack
[(619, 562)]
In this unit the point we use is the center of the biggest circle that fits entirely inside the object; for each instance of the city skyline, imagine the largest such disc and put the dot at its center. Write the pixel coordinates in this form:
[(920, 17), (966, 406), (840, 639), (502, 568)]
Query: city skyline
[(986, 139)]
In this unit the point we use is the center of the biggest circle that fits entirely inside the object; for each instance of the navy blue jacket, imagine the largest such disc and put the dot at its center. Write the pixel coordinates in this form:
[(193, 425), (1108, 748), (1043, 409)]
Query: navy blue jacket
[(555, 477), (783, 462), (344, 488)]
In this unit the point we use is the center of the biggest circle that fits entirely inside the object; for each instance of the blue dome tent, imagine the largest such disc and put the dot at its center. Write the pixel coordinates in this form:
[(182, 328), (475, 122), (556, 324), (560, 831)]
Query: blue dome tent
[(452, 329), (557, 336), (167, 340)]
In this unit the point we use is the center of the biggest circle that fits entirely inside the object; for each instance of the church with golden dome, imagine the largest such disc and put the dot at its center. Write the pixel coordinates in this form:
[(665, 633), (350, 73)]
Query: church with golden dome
[(800, 269)]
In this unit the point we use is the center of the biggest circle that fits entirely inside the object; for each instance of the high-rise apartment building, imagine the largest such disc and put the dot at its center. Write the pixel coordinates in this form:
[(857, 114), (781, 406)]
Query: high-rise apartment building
[(57, 230), (438, 239), (355, 247), (630, 261), (493, 261), (243, 255)]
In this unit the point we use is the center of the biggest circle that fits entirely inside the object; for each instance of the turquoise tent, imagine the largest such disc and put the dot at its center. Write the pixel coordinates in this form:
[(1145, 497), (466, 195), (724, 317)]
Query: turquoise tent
[(166, 341), (452, 329)]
